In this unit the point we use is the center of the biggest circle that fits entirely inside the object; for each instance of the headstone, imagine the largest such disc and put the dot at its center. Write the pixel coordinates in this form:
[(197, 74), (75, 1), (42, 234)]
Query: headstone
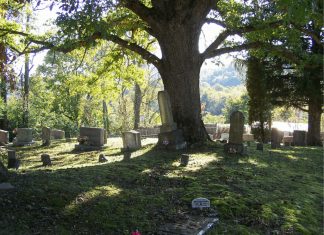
[(13, 162), (127, 155), (3, 173), (224, 137), (184, 160), (6, 186), (57, 134), (4, 137), (46, 136), (235, 142), (169, 137), (24, 136), (91, 138), (248, 137), (102, 158), (276, 138), (131, 140), (299, 138), (46, 159), (259, 146), (287, 140), (200, 203)]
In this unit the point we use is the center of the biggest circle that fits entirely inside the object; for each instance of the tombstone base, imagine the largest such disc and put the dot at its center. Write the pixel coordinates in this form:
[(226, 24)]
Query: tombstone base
[(234, 148), (82, 147), (172, 140), (20, 144)]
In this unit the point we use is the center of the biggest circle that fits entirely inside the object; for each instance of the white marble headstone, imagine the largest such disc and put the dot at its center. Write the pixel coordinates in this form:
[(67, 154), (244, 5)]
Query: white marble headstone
[(200, 203)]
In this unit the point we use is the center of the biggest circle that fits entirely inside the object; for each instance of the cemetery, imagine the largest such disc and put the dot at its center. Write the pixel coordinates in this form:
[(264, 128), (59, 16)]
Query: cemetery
[(173, 117)]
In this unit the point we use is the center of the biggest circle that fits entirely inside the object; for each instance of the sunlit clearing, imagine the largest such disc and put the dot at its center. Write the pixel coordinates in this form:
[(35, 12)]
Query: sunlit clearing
[(253, 162)]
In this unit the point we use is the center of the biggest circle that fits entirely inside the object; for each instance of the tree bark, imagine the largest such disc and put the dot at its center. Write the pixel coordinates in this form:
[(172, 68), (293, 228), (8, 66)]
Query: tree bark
[(3, 86), (314, 123), (180, 68), (137, 106)]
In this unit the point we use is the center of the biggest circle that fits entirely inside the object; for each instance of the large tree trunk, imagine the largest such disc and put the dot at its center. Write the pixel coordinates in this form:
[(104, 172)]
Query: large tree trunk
[(137, 105), (3, 86), (180, 74), (314, 123)]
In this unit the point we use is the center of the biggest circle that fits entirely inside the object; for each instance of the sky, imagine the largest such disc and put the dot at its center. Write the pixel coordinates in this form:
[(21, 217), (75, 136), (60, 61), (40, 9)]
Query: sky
[(209, 33)]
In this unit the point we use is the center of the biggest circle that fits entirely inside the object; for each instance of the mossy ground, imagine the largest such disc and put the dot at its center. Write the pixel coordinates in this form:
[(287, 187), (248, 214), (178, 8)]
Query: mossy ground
[(281, 193)]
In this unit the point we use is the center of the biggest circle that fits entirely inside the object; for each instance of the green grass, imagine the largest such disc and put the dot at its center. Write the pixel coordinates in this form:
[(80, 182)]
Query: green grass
[(256, 194)]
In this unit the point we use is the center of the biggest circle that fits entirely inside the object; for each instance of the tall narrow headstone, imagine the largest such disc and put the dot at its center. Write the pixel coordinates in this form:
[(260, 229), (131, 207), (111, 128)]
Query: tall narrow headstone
[(276, 138), (169, 137), (57, 134), (299, 138), (46, 136), (166, 112), (235, 142), (12, 159)]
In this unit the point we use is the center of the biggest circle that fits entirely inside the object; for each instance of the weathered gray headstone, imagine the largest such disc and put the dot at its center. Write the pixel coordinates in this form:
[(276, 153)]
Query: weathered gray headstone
[(299, 138), (4, 137), (235, 142), (131, 140), (169, 137), (57, 134), (46, 136), (46, 159), (90, 138), (102, 158), (200, 203), (276, 138), (6, 186), (24, 136)]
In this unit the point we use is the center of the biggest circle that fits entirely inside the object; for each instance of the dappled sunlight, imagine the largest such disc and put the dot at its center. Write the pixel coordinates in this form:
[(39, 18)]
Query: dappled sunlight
[(253, 162), (99, 191), (197, 162)]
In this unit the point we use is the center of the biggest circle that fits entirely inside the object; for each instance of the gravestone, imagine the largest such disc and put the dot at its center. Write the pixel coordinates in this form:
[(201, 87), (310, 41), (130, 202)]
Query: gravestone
[(46, 136), (91, 138), (259, 146), (200, 203), (299, 138), (46, 159), (6, 186), (4, 137), (131, 140), (184, 160), (102, 158), (248, 138), (224, 137), (13, 162), (287, 140), (57, 134), (235, 142), (169, 137), (276, 138), (23, 137), (3, 173)]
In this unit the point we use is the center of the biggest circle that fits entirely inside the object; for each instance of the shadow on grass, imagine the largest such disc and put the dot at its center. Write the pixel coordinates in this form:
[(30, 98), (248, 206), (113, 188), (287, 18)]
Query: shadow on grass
[(258, 193)]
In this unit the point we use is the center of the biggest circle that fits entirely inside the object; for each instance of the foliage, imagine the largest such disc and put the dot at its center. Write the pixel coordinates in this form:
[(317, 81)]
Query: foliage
[(280, 194)]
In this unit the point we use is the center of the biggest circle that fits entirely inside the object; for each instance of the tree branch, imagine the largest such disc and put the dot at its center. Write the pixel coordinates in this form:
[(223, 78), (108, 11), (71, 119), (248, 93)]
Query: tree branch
[(229, 32), (214, 21)]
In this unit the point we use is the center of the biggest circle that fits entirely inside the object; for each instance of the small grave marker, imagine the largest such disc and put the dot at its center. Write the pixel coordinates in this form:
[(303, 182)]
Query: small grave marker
[(200, 203)]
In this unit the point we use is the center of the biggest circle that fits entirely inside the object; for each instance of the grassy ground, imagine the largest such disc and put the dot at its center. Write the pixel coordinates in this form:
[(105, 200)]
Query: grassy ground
[(256, 194)]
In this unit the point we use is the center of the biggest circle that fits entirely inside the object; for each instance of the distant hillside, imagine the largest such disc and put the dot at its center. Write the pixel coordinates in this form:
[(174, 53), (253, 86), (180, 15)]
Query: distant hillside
[(225, 76)]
